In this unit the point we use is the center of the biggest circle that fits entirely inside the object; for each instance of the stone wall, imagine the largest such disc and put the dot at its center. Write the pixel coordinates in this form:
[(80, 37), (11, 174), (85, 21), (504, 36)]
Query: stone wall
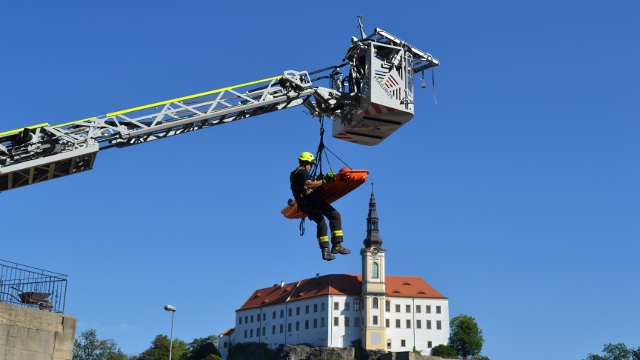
[(31, 334), (407, 355)]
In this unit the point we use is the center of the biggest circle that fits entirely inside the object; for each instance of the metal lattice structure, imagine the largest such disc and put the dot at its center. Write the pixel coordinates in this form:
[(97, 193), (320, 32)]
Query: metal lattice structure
[(362, 112), (31, 287)]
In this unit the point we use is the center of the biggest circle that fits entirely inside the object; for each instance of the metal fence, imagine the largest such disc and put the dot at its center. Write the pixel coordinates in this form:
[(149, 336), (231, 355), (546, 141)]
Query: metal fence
[(32, 287)]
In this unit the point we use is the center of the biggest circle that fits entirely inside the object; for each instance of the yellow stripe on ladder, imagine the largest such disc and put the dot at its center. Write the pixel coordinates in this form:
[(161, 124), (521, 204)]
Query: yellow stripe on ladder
[(191, 96)]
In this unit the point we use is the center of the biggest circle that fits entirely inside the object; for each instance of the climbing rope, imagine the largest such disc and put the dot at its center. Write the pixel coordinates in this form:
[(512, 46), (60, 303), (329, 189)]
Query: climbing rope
[(322, 150)]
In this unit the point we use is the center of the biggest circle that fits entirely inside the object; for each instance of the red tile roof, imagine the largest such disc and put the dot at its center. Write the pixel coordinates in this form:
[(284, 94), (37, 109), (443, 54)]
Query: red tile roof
[(229, 331), (338, 284)]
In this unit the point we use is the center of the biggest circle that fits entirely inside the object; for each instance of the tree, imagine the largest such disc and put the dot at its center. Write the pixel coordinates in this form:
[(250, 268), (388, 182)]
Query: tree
[(616, 352), (466, 337), (444, 351), (159, 349), (88, 347), (201, 348)]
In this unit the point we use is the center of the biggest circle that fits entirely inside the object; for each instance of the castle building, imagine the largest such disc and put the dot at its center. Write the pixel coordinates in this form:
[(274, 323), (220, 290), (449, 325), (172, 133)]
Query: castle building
[(382, 312)]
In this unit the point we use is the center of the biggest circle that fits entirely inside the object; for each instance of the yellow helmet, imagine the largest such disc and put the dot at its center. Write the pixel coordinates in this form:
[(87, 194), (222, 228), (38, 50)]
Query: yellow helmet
[(307, 156)]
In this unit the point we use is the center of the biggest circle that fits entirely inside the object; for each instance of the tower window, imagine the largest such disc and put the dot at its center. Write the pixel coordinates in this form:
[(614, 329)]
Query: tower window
[(375, 303), (374, 270)]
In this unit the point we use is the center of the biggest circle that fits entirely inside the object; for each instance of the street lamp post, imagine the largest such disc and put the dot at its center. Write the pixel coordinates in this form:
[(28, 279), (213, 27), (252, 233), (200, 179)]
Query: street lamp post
[(173, 311)]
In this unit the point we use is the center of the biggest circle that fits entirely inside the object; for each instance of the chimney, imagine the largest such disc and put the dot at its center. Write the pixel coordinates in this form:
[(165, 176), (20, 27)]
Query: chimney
[(281, 284)]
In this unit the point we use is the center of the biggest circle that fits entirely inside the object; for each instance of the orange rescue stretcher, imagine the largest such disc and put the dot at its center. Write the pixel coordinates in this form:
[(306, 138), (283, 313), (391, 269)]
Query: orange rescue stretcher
[(345, 181)]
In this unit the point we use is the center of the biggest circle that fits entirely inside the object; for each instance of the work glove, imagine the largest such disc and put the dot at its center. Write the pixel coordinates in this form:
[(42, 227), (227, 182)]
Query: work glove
[(328, 178)]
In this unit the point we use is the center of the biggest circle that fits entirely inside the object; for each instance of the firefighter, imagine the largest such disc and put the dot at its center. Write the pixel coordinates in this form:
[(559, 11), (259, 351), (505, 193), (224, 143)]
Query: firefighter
[(316, 209)]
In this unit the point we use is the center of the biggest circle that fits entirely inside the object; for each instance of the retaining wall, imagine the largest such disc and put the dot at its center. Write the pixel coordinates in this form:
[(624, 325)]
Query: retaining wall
[(31, 334)]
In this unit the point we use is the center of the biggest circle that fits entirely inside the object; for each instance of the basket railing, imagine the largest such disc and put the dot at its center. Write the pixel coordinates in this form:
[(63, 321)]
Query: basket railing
[(31, 287)]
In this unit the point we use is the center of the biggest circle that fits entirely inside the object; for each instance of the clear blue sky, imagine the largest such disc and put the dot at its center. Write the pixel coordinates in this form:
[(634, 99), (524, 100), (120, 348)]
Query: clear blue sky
[(516, 195)]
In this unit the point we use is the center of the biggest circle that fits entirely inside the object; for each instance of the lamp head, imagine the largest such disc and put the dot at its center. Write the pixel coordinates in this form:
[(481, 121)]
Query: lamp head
[(169, 308)]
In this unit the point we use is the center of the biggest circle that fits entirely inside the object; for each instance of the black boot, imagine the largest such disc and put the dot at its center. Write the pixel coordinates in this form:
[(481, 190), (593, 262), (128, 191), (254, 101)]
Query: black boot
[(339, 249), (326, 254)]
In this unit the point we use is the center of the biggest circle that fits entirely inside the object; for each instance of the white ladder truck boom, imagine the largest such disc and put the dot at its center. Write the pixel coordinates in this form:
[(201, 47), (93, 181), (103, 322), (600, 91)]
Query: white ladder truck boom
[(367, 105)]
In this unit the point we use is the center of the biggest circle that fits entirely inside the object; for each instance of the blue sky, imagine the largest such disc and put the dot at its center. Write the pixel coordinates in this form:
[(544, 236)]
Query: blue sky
[(516, 195)]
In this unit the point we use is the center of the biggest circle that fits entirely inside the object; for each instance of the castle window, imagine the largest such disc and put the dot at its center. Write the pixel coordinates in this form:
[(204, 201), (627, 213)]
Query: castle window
[(428, 324), (438, 310), (245, 333), (397, 308), (336, 306), (315, 323), (290, 312), (418, 324), (408, 308), (375, 320), (386, 323), (336, 321), (321, 306), (356, 304), (281, 313), (264, 317), (375, 303), (306, 324), (439, 325), (298, 310), (240, 320), (388, 343), (356, 321), (346, 305), (403, 343), (322, 321), (281, 328), (252, 319), (427, 309), (289, 327), (251, 333), (374, 270), (315, 307), (273, 329), (346, 321), (408, 324), (306, 309), (297, 325), (397, 323), (429, 344), (418, 309), (387, 306), (264, 330), (274, 314)]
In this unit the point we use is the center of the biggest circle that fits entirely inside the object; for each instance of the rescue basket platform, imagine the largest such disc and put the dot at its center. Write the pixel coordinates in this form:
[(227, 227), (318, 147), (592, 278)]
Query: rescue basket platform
[(346, 180)]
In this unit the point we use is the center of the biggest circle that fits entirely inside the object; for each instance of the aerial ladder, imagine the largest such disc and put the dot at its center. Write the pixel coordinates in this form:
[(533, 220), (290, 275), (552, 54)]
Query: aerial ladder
[(366, 104)]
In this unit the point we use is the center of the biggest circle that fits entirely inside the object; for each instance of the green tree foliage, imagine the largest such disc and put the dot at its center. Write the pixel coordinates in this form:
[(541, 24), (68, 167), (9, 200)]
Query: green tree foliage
[(616, 352), (444, 351), (200, 349), (159, 349), (88, 347), (466, 337), (212, 357)]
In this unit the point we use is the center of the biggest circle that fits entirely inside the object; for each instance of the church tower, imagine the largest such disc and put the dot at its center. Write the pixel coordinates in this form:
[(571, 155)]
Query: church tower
[(374, 334)]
